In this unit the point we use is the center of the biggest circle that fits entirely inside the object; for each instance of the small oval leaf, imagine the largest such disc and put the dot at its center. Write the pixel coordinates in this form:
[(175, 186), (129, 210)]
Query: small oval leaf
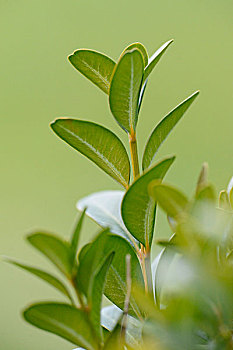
[(125, 89), (64, 320), (162, 130), (55, 249), (95, 66), (96, 143), (138, 208)]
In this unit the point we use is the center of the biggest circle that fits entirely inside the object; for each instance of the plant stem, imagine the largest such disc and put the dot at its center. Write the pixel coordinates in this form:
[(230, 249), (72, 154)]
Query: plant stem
[(145, 256), (144, 268), (148, 272), (79, 296), (127, 297), (134, 154)]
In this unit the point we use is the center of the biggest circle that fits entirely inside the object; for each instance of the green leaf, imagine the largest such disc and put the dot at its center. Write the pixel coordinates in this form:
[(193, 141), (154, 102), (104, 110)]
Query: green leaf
[(95, 66), (231, 197), (162, 130), (115, 287), (110, 316), (114, 341), (55, 249), (230, 191), (96, 293), (138, 208), (164, 258), (83, 251), (125, 89), (98, 144), (170, 199), (142, 92), (203, 178), (224, 201), (153, 60), (141, 48), (45, 276), (64, 320), (105, 208), (76, 235), (206, 193)]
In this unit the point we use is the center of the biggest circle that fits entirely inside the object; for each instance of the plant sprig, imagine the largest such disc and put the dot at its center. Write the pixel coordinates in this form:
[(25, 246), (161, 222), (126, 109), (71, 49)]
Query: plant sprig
[(144, 298)]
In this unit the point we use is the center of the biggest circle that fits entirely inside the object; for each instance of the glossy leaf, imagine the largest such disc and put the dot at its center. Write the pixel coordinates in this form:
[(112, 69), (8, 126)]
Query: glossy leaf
[(96, 293), (153, 60), (125, 89), (45, 276), (98, 144), (95, 66), (115, 287), (76, 235), (105, 208), (170, 199), (55, 249), (138, 208), (163, 129), (64, 320), (141, 48)]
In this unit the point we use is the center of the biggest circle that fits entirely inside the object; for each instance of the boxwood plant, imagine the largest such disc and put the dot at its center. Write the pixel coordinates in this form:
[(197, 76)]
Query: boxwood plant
[(181, 300)]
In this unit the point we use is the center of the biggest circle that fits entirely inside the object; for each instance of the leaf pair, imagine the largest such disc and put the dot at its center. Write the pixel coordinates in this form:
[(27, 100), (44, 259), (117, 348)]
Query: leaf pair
[(115, 284), (99, 68), (76, 325), (106, 150), (125, 83), (128, 84), (122, 81), (131, 214)]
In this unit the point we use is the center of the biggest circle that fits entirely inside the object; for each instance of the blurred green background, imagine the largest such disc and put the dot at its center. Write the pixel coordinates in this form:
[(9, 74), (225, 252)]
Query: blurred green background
[(41, 177)]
